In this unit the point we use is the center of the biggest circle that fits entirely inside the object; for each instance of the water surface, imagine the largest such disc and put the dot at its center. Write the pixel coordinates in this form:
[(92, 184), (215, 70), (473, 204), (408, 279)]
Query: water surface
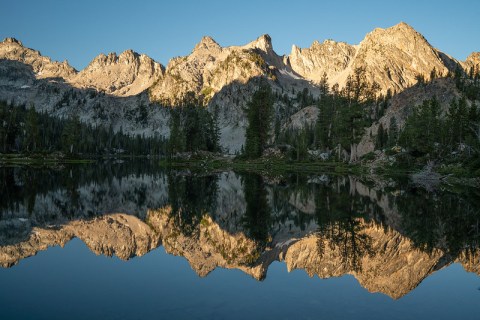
[(134, 241)]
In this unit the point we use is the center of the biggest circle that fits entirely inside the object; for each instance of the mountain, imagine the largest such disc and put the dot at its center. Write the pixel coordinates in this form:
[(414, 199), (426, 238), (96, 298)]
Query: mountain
[(472, 63), (226, 77), (329, 57), (128, 74), (391, 57), (40, 67), (209, 68), (113, 89)]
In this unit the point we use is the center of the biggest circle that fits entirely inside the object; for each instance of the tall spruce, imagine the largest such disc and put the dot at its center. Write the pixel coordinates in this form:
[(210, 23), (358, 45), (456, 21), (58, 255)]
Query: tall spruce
[(259, 115)]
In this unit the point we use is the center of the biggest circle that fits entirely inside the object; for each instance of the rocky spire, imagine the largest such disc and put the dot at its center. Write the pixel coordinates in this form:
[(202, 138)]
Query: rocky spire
[(264, 43), (207, 44), (12, 40)]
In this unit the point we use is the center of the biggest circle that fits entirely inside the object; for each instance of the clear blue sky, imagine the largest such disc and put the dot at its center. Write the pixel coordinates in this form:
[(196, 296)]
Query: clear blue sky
[(80, 30)]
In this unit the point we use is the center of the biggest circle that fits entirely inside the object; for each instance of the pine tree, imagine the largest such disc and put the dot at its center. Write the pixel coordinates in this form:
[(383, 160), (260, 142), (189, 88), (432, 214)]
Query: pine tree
[(381, 137), (259, 114), (70, 135), (176, 142), (323, 85), (393, 132), (31, 130), (3, 126), (216, 133)]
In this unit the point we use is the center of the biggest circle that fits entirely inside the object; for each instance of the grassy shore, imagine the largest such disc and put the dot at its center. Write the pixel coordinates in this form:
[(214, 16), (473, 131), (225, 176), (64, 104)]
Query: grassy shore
[(265, 165), (38, 159), (261, 165)]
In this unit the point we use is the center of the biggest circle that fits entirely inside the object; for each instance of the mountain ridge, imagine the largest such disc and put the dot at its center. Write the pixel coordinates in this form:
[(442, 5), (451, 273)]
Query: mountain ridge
[(393, 57), (217, 77)]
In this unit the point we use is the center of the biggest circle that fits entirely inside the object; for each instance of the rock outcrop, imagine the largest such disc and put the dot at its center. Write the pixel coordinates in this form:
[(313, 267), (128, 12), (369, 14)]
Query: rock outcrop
[(329, 57), (306, 117), (42, 67), (403, 105), (210, 68), (472, 63), (129, 73), (392, 57)]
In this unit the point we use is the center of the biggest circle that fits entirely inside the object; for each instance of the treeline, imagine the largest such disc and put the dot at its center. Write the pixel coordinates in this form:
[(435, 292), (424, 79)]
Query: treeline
[(343, 116), (449, 136), (193, 128), (429, 135), (24, 130)]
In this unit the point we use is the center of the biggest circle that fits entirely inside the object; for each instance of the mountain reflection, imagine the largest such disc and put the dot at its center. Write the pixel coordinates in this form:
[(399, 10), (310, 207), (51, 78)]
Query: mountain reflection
[(387, 234)]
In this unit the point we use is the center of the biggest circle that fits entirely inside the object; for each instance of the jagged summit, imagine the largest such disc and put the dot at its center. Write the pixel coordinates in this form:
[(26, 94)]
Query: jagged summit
[(12, 40), (400, 34), (12, 49), (264, 43), (404, 26), (392, 57), (329, 57), (127, 56), (126, 74), (472, 63), (474, 59), (207, 43)]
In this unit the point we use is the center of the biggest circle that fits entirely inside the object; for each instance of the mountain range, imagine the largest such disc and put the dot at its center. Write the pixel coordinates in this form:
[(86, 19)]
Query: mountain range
[(112, 88)]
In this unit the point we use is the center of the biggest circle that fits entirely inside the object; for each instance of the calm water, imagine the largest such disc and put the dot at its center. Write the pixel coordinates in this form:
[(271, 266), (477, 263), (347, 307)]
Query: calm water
[(133, 241)]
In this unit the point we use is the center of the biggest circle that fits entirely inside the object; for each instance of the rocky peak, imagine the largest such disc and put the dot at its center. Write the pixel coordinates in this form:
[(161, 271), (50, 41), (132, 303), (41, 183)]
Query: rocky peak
[(12, 49), (474, 57), (264, 43), (128, 56), (12, 40), (127, 74), (472, 63), (329, 57), (391, 57), (103, 60), (207, 44), (401, 35)]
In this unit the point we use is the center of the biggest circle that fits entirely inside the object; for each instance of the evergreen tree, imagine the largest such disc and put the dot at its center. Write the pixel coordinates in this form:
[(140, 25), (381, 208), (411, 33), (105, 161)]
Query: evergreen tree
[(176, 142), (381, 137), (31, 130), (393, 132), (323, 85), (259, 114), (71, 135), (215, 133)]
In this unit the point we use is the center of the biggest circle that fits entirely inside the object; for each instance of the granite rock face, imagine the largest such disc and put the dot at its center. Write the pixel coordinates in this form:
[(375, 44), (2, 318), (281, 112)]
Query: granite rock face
[(127, 74), (329, 57), (391, 57), (41, 67)]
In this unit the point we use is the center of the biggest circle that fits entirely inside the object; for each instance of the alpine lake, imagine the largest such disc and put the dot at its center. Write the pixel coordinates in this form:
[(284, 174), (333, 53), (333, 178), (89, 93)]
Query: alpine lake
[(135, 240)]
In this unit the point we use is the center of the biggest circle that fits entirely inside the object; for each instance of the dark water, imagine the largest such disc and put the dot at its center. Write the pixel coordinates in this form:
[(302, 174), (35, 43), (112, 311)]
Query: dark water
[(134, 241)]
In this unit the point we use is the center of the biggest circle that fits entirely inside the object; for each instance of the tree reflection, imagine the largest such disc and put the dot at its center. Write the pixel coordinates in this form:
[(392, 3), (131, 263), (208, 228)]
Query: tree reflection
[(442, 220), (341, 223), (257, 218), (191, 197)]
